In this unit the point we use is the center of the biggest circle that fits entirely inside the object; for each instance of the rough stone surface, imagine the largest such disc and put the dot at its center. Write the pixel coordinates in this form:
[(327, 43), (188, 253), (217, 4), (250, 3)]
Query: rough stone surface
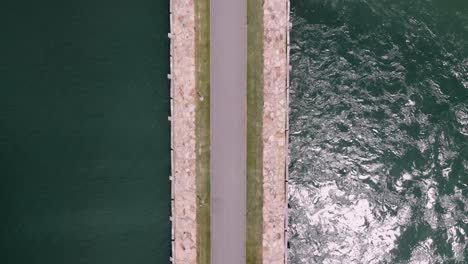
[(275, 111), (183, 131)]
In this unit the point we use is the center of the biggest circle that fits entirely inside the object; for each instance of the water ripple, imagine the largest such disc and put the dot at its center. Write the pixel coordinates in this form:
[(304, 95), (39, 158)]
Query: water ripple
[(379, 132)]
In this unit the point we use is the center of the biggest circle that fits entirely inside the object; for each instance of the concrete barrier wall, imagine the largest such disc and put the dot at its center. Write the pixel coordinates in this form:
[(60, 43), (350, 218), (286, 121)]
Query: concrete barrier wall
[(286, 172), (171, 94)]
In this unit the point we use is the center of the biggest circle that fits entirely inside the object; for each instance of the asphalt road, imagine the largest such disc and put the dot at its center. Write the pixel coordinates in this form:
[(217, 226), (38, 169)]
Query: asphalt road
[(228, 130)]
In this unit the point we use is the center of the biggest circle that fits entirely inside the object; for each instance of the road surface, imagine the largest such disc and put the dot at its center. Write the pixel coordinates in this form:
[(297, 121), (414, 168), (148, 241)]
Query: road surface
[(228, 130)]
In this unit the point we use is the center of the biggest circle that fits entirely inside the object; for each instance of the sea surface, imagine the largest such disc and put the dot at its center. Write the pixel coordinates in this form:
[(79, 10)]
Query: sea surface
[(379, 131), (84, 135)]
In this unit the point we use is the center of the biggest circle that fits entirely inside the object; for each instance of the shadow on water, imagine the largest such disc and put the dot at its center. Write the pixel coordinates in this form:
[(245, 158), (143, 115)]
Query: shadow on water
[(84, 141)]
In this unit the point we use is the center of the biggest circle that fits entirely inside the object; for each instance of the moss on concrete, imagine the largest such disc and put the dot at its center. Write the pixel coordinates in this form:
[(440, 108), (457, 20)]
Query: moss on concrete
[(202, 133), (254, 131)]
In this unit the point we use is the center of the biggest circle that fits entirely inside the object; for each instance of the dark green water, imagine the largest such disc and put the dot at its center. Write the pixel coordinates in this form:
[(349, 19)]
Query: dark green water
[(84, 136), (379, 131)]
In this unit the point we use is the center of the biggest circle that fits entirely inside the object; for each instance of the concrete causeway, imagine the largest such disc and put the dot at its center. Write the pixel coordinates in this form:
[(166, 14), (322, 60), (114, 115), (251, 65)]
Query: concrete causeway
[(228, 131)]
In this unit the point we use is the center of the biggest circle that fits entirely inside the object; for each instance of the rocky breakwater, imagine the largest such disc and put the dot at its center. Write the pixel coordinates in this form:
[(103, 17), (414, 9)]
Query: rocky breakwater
[(275, 129), (183, 102)]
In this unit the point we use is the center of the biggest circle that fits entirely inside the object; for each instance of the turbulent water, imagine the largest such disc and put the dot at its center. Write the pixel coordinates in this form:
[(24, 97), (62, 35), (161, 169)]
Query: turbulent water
[(379, 132)]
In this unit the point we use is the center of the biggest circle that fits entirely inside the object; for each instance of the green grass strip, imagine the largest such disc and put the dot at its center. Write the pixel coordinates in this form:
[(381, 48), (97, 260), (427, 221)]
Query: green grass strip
[(202, 131), (254, 131)]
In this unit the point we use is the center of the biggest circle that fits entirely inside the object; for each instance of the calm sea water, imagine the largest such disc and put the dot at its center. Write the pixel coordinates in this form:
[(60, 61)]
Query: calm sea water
[(84, 136), (379, 131)]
